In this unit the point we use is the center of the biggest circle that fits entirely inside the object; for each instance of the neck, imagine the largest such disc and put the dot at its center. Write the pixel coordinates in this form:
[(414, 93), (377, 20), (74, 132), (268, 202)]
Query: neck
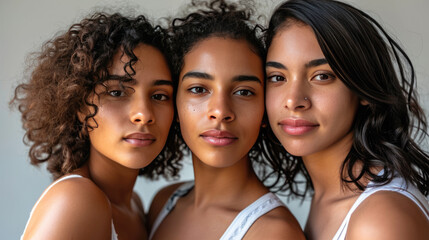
[(115, 180), (325, 169), (225, 185)]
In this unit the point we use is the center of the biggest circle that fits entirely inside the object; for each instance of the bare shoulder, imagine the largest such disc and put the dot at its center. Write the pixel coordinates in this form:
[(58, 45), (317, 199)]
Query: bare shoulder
[(278, 223), (73, 208), (388, 215), (159, 201)]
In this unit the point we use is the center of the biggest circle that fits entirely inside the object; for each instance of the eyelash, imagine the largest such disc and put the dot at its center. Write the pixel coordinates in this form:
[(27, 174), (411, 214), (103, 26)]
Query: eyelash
[(270, 78), (163, 97), (281, 79), (112, 93), (329, 75), (201, 90), (248, 92), (197, 90)]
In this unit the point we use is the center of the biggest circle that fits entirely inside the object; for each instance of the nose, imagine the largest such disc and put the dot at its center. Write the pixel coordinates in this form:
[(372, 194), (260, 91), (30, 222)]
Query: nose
[(141, 112), (220, 108), (297, 97)]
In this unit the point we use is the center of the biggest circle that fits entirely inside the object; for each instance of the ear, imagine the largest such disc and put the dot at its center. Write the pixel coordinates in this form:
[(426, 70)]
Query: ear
[(80, 116), (364, 102)]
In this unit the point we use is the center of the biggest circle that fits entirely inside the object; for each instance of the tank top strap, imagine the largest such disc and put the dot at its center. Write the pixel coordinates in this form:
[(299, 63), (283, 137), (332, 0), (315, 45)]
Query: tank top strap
[(49, 188), (44, 193), (399, 185), (181, 191), (114, 235), (245, 219)]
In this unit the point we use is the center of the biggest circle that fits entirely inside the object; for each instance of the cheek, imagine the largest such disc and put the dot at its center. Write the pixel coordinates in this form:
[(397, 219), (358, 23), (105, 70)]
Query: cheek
[(190, 110), (164, 116), (273, 101)]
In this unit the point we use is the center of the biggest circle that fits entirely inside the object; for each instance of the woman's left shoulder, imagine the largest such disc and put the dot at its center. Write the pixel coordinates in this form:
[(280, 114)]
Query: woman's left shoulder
[(388, 215), (278, 223)]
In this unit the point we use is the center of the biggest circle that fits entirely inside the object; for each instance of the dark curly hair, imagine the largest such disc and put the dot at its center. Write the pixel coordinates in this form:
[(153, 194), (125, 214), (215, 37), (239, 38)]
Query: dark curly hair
[(219, 18), (373, 66), (65, 73)]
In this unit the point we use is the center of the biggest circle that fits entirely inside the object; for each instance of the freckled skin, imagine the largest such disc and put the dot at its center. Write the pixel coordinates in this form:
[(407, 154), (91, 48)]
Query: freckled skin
[(211, 98)]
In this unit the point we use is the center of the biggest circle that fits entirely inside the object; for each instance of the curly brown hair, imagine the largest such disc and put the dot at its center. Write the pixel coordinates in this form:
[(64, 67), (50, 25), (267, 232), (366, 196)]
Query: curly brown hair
[(65, 73)]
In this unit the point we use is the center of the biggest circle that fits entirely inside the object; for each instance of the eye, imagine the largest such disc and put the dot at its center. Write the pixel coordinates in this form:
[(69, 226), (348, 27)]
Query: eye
[(197, 90), (116, 93), (276, 78), (244, 92), (160, 97), (324, 77)]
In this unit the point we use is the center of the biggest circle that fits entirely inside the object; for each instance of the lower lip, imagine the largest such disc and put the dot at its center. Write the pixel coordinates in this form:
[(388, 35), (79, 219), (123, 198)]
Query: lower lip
[(219, 141), (139, 142), (297, 130)]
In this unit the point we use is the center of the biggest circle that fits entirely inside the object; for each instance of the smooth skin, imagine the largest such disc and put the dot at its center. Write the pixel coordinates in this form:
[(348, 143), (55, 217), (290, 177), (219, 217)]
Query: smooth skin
[(221, 88), (311, 112), (133, 125)]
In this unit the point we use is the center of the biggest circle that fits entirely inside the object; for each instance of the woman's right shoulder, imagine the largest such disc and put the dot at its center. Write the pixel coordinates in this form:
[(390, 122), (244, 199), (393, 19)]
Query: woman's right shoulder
[(159, 201), (71, 208)]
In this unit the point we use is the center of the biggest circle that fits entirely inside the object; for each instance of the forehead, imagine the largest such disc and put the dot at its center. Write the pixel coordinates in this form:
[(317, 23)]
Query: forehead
[(150, 60), (222, 51), (295, 39)]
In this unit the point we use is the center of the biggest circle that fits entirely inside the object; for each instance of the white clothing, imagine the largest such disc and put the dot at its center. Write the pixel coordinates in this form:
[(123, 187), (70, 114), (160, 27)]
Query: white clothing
[(114, 235), (399, 185), (242, 222)]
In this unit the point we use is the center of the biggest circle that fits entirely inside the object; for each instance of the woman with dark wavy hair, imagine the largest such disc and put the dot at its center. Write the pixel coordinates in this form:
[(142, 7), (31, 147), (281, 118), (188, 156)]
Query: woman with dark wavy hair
[(218, 59), (98, 108), (341, 101)]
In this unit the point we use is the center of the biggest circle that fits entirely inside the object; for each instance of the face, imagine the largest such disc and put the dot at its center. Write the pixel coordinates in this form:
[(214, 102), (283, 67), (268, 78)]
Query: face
[(310, 110), (220, 100), (133, 120)]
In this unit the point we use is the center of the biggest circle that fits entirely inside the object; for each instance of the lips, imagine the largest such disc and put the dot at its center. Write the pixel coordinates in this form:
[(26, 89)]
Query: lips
[(139, 139), (297, 126), (218, 137)]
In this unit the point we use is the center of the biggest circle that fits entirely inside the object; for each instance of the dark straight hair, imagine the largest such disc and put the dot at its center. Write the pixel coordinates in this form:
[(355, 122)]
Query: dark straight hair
[(371, 64)]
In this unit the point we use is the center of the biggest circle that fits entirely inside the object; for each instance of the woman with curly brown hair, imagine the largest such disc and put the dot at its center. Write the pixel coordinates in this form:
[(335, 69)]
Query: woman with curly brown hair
[(98, 107), (219, 60)]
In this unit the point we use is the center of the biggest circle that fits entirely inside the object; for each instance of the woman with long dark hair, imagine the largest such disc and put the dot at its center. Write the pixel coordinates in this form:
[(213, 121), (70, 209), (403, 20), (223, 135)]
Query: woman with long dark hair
[(342, 104)]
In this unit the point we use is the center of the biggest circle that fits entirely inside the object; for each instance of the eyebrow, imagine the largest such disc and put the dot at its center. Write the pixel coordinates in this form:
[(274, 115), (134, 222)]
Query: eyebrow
[(239, 78), (275, 65), (316, 62), (163, 82), (197, 75), (132, 81), (245, 78), (312, 63)]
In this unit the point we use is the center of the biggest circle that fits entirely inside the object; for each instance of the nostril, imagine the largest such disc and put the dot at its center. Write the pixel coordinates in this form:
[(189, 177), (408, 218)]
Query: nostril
[(137, 120)]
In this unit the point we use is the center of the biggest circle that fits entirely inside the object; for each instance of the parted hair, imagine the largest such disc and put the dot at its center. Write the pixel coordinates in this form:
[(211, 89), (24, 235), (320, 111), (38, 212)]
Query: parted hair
[(387, 131)]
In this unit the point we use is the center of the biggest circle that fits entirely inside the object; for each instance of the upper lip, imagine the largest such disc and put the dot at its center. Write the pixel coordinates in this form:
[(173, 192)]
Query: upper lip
[(140, 136), (297, 122), (218, 134)]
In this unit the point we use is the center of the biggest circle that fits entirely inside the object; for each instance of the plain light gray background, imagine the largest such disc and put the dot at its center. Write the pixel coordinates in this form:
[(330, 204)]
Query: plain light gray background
[(26, 24)]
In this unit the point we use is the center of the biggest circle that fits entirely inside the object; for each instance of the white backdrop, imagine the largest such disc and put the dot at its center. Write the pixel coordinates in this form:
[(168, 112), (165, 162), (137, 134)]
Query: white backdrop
[(26, 24)]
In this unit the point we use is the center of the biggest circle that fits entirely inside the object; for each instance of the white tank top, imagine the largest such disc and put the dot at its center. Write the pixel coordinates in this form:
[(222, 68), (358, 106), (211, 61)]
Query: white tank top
[(242, 222), (399, 185), (114, 235)]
